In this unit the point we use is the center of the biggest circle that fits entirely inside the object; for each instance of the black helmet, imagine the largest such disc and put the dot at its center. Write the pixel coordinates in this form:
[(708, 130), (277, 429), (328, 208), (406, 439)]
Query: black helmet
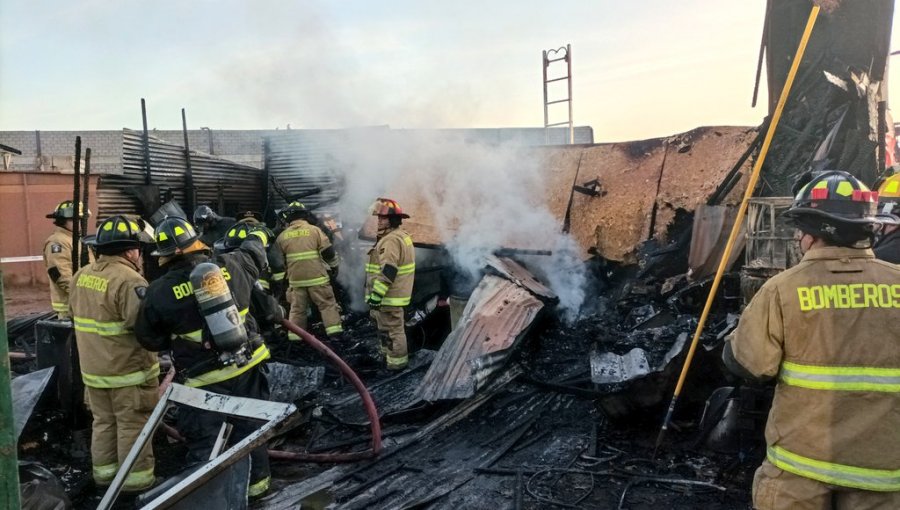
[(835, 206), (239, 232), (65, 210), (204, 214), (294, 210), (118, 233), (173, 236)]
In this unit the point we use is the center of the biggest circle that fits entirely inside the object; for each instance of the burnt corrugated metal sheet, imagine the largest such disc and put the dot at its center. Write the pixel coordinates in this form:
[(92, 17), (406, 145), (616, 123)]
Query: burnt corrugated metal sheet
[(498, 314), (216, 180), (712, 226), (303, 160)]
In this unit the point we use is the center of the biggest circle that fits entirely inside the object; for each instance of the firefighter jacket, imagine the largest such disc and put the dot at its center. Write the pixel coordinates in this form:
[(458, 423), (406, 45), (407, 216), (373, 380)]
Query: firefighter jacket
[(829, 329), (170, 317), (888, 247), (306, 250), (273, 279), (104, 300), (58, 261), (391, 269)]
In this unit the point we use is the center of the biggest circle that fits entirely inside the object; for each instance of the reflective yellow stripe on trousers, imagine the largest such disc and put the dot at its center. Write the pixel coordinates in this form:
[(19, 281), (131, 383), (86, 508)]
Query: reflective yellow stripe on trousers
[(840, 378), (231, 371), (882, 480), (121, 381)]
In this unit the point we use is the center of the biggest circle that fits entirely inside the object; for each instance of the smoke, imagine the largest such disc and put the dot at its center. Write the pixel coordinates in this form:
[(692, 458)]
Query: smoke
[(481, 197)]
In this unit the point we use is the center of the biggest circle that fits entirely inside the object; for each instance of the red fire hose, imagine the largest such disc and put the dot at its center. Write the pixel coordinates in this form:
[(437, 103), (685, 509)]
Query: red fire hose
[(368, 403), (348, 372)]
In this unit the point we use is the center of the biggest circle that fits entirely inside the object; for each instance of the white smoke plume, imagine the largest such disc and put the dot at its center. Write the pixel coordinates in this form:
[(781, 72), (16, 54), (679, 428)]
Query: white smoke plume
[(482, 197)]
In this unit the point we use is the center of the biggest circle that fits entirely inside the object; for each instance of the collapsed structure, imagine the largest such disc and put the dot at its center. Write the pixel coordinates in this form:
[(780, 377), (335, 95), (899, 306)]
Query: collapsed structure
[(517, 403)]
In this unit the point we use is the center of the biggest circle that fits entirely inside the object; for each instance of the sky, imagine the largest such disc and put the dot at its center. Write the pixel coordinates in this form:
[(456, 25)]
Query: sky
[(641, 69)]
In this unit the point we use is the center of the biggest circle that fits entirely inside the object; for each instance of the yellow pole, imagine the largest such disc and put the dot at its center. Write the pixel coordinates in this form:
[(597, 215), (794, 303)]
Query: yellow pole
[(742, 210)]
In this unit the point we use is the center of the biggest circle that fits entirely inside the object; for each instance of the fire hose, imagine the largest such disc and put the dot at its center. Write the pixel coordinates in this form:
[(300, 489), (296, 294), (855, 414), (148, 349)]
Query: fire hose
[(347, 372), (368, 404)]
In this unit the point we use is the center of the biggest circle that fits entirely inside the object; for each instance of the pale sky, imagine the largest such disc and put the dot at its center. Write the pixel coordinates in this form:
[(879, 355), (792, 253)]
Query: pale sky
[(642, 68)]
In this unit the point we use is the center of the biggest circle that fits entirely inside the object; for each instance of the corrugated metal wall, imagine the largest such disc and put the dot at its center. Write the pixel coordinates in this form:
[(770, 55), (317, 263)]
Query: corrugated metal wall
[(226, 186), (302, 160)]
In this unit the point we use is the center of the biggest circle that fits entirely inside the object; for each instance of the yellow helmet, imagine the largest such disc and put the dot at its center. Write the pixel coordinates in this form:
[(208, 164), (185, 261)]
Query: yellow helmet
[(889, 200), (65, 210)]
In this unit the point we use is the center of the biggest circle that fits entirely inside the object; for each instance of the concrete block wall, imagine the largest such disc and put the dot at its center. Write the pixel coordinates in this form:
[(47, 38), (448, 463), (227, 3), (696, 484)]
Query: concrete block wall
[(57, 151)]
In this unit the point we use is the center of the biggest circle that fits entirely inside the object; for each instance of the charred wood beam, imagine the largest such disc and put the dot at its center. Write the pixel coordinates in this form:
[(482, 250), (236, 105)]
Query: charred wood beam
[(76, 208), (86, 194), (7, 148)]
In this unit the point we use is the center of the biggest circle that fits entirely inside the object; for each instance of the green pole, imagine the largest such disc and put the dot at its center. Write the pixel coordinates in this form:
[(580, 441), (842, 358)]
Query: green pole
[(9, 466)]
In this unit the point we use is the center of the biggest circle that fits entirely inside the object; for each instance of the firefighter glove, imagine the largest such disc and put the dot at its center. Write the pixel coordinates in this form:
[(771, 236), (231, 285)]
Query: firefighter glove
[(374, 300)]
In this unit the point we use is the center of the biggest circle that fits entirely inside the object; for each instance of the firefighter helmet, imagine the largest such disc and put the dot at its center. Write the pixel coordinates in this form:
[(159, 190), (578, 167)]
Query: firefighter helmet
[(252, 217), (889, 201), (239, 232), (292, 211), (66, 211), (387, 207), (835, 206), (118, 233), (175, 236), (204, 214)]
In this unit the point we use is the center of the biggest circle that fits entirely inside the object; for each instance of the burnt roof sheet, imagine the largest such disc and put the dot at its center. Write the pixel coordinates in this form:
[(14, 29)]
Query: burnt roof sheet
[(498, 314)]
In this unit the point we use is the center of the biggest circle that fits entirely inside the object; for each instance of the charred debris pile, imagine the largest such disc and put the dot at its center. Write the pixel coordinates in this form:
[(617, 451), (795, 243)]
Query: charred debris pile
[(513, 406)]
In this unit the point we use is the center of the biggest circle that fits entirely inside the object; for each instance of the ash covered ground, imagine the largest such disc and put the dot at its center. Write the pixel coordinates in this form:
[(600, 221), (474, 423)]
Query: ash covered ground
[(539, 434)]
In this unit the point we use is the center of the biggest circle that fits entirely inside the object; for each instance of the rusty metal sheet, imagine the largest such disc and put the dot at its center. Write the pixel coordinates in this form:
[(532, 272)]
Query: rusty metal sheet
[(515, 273), (712, 225), (696, 163), (498, 314), (615, 223)]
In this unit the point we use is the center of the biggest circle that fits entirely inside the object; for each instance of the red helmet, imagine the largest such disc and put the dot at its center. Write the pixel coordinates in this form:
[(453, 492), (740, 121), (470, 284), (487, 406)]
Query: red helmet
[(387, 207)]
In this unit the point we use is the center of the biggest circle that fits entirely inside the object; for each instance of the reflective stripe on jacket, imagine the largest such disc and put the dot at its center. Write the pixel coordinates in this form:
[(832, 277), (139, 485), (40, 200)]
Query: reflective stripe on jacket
[(105, 298), (393, 249), (829, 330), (223, 374), (303, 245)]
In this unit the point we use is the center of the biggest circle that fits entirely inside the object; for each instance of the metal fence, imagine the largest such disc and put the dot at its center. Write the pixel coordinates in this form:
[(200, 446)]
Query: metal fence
[(226, 186)]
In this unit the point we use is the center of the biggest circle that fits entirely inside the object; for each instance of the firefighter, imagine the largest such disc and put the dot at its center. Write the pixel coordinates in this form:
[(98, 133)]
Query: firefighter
[(311, 264), (251, 217), (390, 273), (829, 330), (271, 279), (58, 257), (120, 376), (888, 246), (170, 319), (212, 226)]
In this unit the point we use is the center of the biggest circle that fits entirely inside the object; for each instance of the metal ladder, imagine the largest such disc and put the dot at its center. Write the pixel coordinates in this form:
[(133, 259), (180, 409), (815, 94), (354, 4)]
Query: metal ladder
[(547, 60)]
